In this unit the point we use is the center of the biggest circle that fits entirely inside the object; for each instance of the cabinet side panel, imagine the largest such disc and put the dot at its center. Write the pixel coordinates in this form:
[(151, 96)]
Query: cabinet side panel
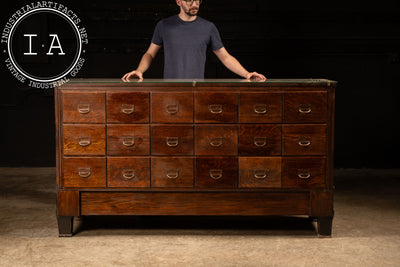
[(331, 137), (58, 119)]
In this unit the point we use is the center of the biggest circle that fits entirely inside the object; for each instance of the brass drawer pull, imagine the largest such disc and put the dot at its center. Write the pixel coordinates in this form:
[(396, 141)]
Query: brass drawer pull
[(303, 173), (304, 141), (216, 141), (84, 172), (216, 174), (172, 174), (260, 141), (84, 108), (305, 109), (172, 141), (261, 173), (127, 108), (84, 142), (215, 109), (128, 174), (128, 141), (260, 108), (172, 109)]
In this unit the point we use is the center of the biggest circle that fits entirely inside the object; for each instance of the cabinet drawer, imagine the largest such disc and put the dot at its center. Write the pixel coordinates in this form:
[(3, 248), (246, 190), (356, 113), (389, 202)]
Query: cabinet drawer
[(216, 140), (84, 172), (84, 139), (260, 107), (172, 107), (305, 107), (128, 140), (216, 107), (172, 172), (216, 172), (260, 139), (83, 107), (171, 140), (304, 139), (260, 172), (131, 107), (128, 172), (304, 172)]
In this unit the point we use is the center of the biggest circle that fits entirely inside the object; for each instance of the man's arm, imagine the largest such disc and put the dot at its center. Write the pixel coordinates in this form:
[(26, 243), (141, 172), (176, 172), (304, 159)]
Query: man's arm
[(144, 64), (233, 65)]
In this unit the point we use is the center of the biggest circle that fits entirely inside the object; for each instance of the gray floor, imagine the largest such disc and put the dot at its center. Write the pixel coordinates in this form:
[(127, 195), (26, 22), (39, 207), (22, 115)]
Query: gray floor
[(366, 230)]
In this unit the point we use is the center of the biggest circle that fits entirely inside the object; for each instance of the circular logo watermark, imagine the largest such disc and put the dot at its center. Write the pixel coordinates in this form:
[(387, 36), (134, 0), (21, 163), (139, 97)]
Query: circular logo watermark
[(44, 42)]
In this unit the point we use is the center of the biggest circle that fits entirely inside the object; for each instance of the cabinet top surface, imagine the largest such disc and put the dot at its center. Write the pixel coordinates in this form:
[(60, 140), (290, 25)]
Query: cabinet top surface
[(199, 82)]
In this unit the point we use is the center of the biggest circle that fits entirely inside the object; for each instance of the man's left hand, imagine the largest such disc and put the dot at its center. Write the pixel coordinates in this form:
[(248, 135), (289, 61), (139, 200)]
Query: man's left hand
[(255, 76)]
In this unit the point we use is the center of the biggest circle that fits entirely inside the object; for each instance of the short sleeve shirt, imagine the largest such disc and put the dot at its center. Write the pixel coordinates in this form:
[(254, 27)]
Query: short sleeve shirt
[(185, 46)]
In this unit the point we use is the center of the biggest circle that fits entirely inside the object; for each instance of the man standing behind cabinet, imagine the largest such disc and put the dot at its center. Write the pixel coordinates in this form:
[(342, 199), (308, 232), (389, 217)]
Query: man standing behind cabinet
[(185, 38)]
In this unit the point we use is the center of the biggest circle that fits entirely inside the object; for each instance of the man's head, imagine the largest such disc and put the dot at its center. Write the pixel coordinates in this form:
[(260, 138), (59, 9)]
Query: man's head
[(190, 7)]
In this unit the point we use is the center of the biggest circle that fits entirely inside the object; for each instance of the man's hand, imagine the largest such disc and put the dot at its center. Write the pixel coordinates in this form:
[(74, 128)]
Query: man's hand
[(255, 76), (133, 74), (144, 64)]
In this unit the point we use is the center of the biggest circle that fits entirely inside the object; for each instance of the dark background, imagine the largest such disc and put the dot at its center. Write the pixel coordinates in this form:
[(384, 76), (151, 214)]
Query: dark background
[(356, 44)]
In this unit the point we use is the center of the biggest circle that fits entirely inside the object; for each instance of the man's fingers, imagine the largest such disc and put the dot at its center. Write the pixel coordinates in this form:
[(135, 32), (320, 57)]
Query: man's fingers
[(132, 74), (256, 76), (126, 76)]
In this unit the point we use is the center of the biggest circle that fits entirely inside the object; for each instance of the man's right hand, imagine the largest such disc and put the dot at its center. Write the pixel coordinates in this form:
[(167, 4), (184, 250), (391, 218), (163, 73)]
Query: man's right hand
[(132, 74)]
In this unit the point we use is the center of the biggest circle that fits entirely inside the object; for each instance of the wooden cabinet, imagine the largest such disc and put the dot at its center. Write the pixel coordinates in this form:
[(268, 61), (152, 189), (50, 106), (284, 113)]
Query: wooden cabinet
[(211, 147)]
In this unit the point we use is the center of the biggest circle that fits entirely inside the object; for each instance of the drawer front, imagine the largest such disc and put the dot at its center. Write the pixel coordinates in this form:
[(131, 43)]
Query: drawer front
[(83, 107), (216, 172), (172, 172), (304, 172), (216, 140), (304, 139), (128, 140), (132, 107), (260, 107), (216, 107), (84, 172), (84, 139), (260, 172), (171, 140), (259, 139), (128, 172), (305, 107), (172, 107)]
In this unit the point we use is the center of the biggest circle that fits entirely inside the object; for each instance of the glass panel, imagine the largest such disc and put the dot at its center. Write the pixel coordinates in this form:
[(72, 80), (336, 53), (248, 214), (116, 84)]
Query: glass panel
[(306, 81)]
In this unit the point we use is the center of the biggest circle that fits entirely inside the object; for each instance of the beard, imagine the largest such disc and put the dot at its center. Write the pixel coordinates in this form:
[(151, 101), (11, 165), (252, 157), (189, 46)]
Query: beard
[(191, 11)]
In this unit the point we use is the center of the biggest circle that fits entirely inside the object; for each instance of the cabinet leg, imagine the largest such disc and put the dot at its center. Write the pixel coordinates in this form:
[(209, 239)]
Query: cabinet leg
[(65, 225), (312, 218), (324, 226)]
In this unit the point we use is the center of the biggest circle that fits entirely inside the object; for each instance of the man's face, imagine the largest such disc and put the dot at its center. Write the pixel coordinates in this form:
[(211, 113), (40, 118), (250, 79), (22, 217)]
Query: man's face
[(189, 8)]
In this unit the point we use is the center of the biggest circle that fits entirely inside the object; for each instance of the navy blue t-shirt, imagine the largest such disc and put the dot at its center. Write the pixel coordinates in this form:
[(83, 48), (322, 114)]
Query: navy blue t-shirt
[(185, 45)]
